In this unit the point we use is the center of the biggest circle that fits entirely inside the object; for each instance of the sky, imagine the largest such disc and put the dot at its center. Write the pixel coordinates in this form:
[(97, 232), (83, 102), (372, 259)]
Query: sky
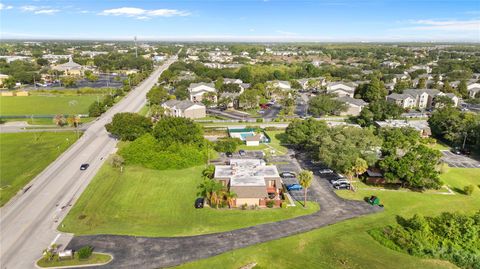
[(248, 20)]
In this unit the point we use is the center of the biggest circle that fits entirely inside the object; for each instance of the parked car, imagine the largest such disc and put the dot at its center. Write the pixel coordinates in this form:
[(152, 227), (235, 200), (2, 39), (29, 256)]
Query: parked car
[(465, 151), (287, 175), (294, 187), (199, 202), (242, 152), (341, 186), (338, 180), (84, 166), (228, 154), (325, 171), (456, 151)]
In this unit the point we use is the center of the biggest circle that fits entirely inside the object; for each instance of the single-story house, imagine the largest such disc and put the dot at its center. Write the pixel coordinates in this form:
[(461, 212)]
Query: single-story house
[(253, 140), (251, 180), (185, 108), (473, 89)]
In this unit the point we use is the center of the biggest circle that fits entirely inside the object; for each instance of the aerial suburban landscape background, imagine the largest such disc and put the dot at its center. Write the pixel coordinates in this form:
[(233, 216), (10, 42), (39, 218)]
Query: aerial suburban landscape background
[(240, 134)]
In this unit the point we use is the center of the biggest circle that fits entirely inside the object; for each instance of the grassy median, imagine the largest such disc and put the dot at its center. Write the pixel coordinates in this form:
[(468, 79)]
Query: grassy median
[(46, 105), (347, 244), (24, 155), (146, 202)]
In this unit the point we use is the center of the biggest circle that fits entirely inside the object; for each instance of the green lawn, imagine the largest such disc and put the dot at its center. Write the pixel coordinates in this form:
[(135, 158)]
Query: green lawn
[(96, 258), (46, 105), (44, 121), (147, 202), (347, 244), (24, 155)]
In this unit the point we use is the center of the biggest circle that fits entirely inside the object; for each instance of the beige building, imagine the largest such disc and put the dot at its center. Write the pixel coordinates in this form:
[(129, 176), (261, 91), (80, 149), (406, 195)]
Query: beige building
[(354, 106), (197, 90), (420, 98), (70, 68), (251, 180), (186, 108)]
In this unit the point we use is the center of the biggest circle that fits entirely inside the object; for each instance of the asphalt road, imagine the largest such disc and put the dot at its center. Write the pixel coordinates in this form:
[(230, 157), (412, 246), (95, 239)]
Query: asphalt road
[(161, 252), (28, 222), (272, 112)]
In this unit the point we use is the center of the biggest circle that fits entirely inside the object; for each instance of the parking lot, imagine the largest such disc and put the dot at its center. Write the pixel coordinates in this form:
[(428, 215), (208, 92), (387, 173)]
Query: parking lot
[(461, 161)]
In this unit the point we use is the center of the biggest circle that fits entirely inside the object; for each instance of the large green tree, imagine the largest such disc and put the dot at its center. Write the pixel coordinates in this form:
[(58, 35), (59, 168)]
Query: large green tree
[(171, 130), (373, 91), (325, 105), (129, 126), (304, 134), (378, 111), (157, 95)]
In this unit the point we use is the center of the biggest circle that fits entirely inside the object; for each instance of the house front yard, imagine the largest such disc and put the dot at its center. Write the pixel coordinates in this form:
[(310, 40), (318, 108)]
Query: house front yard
[(348, 244), (146, 202)]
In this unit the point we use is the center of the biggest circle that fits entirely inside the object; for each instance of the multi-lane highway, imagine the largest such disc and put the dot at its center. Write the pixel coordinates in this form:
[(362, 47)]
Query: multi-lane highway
[(28, 222)]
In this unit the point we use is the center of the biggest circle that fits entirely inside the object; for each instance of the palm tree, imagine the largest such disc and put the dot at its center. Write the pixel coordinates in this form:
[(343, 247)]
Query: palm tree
[(210, 189), (217, 194), (305, 179), (230, 197), (208, 172)]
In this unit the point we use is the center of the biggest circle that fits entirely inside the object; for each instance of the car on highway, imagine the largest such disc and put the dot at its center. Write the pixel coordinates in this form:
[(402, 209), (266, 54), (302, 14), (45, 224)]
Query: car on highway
[(294, 187), (287, 175), (325, 171), (199, 202), (342, 186), (84, 166), (242, 152)]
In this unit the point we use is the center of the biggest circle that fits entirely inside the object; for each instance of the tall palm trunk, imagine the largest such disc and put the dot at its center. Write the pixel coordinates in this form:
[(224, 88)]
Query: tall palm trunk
[(305, 197)]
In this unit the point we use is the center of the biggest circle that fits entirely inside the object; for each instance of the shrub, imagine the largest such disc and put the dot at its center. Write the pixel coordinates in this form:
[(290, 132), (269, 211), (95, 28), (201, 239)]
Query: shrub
[(270, 203), (227, 144), (284, 204), (85, 252), (469, 189), (259, 120), (244, 206), (148, 152)]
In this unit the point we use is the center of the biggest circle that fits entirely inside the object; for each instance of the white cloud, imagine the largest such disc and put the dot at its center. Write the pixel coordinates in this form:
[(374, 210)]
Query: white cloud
[(285, 33), (39, 10), (4, 7), (143, 14), (445, 25)]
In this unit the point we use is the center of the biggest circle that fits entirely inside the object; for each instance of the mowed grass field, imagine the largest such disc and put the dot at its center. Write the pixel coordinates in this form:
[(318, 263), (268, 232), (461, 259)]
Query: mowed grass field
[(145, 202), (347, 244), (24, 155), (46, 105)]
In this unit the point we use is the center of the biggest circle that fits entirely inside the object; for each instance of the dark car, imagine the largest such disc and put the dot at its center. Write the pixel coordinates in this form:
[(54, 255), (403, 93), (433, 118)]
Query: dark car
[(84, 166), (287, 175), (465, 151), (294, 187), (242, 152), (228, 154), (199, 202), (456, 151)]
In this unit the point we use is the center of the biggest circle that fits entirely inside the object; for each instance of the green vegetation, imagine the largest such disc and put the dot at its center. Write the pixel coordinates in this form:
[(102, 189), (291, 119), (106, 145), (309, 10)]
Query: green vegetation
[(450, 236), (348, 244), (129, 126), (147, 202), (24, 155), (96, 258), (46, 105)]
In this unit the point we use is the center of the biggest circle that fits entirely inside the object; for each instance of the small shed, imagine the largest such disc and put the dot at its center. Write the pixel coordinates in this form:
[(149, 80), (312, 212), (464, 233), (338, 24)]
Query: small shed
[(253, 140)]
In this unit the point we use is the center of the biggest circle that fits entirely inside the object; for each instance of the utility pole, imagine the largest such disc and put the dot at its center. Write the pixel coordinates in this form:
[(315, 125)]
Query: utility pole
[(136, 50)]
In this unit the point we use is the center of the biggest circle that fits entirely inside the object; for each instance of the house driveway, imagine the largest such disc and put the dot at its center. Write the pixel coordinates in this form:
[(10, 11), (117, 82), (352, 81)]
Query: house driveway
[(160, 252)]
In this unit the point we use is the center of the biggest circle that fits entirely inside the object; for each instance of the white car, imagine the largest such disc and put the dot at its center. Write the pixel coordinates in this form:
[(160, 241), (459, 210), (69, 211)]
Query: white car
[(325, 171)]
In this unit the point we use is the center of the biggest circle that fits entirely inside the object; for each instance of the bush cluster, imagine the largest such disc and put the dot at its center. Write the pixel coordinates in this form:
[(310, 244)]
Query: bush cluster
[(449, 236)]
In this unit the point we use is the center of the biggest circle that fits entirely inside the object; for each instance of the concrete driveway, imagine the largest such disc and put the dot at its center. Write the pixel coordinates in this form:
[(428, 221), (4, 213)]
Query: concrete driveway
[(461, 161), (161, 252)]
